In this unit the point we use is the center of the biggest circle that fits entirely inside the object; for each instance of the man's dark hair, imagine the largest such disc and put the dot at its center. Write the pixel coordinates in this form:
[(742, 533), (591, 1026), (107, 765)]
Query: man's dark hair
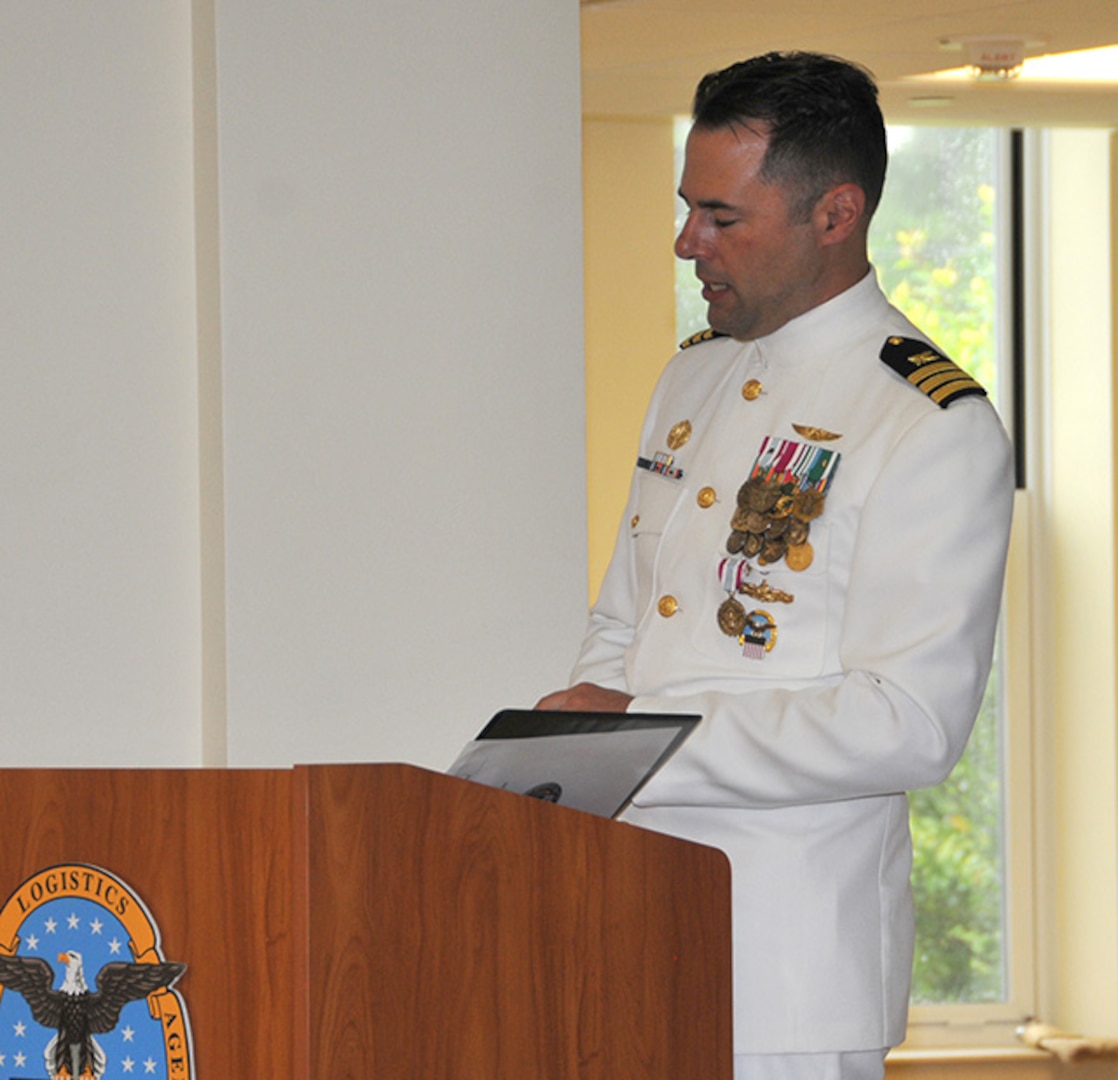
[(821, 115)]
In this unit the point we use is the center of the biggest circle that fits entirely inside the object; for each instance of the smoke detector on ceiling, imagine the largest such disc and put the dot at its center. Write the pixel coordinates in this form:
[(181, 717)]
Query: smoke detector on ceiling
[(992, 57)]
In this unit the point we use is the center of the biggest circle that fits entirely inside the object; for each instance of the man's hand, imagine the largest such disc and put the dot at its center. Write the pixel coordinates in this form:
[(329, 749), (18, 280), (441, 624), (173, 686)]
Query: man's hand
[(586, 697)]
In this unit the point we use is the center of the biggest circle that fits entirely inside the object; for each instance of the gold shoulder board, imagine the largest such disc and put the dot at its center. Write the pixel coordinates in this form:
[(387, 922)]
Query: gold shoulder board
[(702, 335), (930, 371)]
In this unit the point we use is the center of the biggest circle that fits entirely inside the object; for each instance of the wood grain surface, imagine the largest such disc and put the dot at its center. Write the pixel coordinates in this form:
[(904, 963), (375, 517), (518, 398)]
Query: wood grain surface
[(380, 921), (463, 932), (209, 853)]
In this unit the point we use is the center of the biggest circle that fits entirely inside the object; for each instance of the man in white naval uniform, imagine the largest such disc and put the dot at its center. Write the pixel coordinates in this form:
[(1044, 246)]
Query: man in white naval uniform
[(812, 559)]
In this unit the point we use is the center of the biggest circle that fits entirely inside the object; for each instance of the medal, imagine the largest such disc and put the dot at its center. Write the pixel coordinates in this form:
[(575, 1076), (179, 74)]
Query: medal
[(751, 544), (731, 617), (759, 635), (799, 556), (784, 492), (807, 505), (796, 533), (749, 521)]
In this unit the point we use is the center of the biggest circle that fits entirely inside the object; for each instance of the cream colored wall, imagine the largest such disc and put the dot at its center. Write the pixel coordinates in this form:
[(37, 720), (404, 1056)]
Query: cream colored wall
[(402, 354), (1080, 641), (99, 551), (293, 408), (628, 207)]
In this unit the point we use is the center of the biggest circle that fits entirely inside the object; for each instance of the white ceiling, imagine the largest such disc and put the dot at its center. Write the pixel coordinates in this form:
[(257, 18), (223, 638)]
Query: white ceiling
[(644, 57)]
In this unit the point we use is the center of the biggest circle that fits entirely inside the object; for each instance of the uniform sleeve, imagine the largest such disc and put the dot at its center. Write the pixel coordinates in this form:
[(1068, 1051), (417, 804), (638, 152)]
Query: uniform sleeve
[(916, 641)]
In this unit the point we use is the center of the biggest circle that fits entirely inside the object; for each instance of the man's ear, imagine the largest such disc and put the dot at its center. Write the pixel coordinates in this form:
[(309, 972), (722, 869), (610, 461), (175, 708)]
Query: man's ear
[(839, 213)]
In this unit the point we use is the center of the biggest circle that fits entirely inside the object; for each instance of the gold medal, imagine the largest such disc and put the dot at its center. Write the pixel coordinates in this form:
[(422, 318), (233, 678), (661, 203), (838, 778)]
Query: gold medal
[(731, 617), (799, 556), (808, 505), (778, 528), (749, 521), (797, 532), (772, 551), (783, 506), (759, 494), (752, 544), (679, 434)]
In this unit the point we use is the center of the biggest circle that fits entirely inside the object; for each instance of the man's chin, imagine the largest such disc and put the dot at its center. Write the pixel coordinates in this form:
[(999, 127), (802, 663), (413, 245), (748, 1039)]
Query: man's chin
[(732, 321), (720, 323)]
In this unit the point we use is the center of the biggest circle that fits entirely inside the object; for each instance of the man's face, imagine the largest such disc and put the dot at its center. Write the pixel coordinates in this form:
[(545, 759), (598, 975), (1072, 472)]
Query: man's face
[(759, 263)]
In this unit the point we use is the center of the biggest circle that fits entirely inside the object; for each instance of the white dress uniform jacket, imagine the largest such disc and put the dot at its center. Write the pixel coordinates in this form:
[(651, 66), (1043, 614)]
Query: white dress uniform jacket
[(799, 767)]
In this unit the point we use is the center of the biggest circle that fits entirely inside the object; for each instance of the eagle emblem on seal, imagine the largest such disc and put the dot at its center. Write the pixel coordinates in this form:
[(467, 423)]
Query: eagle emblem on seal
[(75, 1012)]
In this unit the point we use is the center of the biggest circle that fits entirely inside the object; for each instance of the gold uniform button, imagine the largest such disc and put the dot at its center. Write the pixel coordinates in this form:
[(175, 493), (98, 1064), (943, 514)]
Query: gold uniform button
[(706, 497), (634, 521), (667, 606), (751, 391)]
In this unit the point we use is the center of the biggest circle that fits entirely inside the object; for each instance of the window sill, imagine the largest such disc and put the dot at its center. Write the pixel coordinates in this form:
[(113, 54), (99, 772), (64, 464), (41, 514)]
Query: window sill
[(962, 1055)]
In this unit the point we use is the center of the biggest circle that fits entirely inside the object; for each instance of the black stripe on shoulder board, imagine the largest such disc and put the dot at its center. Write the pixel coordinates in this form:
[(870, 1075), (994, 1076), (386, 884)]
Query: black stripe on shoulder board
[(702, 335), (929, 371)]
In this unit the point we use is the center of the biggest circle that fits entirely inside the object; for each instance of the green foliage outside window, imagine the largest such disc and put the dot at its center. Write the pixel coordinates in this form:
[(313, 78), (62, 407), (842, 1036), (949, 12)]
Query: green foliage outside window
[(933, 244), (957, 875), (932, 240)]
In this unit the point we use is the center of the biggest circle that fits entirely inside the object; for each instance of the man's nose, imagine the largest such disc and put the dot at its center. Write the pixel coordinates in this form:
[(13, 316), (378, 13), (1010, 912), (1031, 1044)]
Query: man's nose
[(687, 242)]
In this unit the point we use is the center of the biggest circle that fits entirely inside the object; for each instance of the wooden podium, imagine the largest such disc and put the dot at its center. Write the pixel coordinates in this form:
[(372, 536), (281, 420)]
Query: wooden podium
[(386, 922)]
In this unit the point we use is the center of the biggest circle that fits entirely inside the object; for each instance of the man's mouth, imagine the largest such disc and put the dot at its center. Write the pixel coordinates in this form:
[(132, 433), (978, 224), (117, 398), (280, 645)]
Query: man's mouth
[(713, 289)]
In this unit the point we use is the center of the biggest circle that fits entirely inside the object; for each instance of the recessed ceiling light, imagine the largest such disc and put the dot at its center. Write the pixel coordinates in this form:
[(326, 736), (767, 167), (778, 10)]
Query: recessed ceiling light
[(1085, 65)]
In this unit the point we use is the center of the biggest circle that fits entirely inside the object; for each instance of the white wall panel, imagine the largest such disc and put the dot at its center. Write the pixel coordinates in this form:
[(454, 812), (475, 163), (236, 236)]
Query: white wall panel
[(396, 282), (402, 349), (98, 411)]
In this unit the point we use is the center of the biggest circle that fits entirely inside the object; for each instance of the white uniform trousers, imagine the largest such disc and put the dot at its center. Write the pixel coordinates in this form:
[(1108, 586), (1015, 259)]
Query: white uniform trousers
[(860, 1065)]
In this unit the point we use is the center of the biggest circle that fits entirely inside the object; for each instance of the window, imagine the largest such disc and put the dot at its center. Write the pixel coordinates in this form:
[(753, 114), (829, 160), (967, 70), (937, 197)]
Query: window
[(934, 242), (943, 242)]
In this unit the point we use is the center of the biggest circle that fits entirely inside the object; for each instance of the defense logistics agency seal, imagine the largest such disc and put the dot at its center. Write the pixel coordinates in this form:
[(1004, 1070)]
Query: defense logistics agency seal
[(79, 954)]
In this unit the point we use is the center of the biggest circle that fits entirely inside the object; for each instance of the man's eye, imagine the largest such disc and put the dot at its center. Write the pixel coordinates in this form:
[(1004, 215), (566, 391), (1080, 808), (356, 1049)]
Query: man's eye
[(723, 223)]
